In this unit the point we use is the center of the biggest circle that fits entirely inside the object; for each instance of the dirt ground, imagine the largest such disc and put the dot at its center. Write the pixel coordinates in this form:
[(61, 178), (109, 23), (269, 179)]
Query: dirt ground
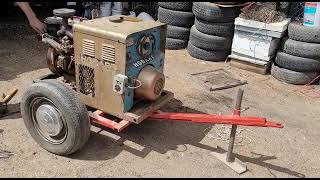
[(166, 149)]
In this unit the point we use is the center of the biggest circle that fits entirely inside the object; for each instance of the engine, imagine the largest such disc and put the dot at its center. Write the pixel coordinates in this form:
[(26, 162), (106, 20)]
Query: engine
[(60, 55), (113, 62)]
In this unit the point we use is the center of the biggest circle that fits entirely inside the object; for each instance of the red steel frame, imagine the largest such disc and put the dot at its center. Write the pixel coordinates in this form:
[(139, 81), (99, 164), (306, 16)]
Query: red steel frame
[(97, 117), (234, 119)]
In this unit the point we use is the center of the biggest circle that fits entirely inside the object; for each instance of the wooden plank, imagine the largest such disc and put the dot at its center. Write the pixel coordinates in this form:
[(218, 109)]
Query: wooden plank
[(260, 69), (246, 58), (259, 31), (8, 97), (276, 26), (143, 111)]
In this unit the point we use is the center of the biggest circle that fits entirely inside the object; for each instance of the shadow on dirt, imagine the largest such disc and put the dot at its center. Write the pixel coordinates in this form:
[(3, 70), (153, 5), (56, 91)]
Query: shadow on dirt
[(20, 50), (150, 135), (260, 160), (160, 137), (13, 112)]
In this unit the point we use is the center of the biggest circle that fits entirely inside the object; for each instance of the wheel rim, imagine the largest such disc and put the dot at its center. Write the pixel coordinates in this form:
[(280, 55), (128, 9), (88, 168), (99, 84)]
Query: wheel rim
[(48, 120)]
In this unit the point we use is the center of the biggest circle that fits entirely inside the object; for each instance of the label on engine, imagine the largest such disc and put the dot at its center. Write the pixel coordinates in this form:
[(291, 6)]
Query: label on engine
[(141, 62), (88, 59)]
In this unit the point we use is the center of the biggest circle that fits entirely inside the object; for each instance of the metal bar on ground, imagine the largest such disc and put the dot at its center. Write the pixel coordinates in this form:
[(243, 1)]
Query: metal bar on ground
[(215, 119), (228, 158), (236, 112)]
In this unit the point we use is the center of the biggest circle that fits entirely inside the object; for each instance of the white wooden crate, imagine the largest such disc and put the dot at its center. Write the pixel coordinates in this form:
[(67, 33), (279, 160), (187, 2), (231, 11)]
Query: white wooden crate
[(255, 45)]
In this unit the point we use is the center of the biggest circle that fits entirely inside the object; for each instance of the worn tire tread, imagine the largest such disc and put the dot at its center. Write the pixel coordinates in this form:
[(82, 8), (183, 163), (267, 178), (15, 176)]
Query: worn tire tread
[(215, 29), (301, 49), (209, 42), (203, 54), (178, 6), (175, 44), (212, 13), (292, 77), (298, 32), (175, 18), (75, 113)]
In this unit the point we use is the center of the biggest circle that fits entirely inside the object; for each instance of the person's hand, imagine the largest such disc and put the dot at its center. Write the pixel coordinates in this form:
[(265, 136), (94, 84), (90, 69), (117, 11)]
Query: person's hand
[(37, 25)]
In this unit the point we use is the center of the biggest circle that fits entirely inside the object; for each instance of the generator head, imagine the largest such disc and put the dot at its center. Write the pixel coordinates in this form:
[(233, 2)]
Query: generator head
[(119, 62), (150, 83)]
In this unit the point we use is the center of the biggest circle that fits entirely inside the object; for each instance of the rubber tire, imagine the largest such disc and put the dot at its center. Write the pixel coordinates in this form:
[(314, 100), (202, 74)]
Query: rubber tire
[(213, 13), (301, 49), (205, 54), (296, 63), (209, 42), (175, 44), (215, 29), (292, 77), (298, 32), (178, 6), (74, 112), (175, 18), (177, 32)]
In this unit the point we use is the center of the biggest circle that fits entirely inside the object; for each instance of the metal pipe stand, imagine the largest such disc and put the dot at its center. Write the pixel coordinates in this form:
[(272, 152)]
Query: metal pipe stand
[(228, 158)]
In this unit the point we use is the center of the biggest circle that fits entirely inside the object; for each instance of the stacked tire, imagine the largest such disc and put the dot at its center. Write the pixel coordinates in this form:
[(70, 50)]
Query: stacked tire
[(211, 36), (298, 61), (179, 19)]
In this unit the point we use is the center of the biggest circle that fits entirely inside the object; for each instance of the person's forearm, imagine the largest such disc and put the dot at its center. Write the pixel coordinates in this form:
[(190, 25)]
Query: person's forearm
[(34, 22), (25, 7)]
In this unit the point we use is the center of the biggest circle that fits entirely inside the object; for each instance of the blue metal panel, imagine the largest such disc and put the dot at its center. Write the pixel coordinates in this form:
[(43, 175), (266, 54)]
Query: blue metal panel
[(156, 60)]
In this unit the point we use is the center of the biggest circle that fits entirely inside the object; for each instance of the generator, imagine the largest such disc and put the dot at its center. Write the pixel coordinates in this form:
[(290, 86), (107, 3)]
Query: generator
[(108, 72), (111, 64), (119, 60)]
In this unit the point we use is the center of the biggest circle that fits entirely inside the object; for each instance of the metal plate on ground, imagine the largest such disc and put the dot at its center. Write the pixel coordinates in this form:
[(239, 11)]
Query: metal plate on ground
[(236, 165), (217, 79)]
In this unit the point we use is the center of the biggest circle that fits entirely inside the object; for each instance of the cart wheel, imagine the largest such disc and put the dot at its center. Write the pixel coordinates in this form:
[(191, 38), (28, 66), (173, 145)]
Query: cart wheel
[(55, 117)]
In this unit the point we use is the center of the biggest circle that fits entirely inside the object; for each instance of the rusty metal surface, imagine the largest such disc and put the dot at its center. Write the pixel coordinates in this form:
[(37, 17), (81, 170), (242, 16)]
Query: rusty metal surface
[(217, 79), (104, 28), (51, 60)]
